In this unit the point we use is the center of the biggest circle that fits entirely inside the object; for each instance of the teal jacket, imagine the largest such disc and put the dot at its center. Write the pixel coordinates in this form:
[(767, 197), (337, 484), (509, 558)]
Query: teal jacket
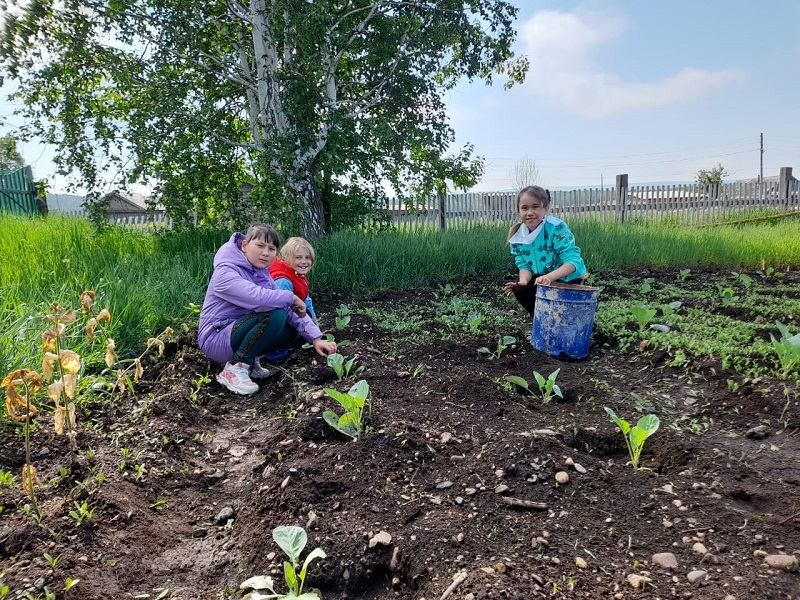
[(553, 247)]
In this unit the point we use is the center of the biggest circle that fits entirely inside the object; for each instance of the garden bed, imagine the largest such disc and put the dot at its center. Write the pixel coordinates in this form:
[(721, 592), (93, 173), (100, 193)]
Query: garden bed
[(186, 481)]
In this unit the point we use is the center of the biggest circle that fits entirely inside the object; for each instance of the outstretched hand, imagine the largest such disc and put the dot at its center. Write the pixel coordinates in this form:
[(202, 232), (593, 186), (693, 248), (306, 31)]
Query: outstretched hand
[(324, 347), (510, 286)]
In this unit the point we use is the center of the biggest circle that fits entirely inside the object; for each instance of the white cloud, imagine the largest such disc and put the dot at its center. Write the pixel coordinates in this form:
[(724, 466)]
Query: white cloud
[(562, 47)]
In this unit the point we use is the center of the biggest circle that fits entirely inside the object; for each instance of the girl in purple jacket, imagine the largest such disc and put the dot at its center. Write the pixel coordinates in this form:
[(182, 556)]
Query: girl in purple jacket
[(245, 315)]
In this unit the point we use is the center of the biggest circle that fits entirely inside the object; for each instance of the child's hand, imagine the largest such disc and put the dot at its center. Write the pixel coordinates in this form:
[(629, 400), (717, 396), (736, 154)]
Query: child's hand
[(543, 280), (510, 286), (298, 307), (324, 347)]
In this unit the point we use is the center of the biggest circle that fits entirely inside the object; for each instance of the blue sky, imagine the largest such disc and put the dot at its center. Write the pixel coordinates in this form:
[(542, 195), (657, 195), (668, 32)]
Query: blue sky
[(657, 90)]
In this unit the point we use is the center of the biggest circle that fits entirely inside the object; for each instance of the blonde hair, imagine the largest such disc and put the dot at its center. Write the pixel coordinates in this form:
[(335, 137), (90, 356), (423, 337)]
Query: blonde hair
[(540, 193), (291, 247)]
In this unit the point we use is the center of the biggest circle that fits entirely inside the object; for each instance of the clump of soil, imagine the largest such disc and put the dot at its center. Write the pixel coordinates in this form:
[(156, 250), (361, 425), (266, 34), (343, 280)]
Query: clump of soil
[(455, 486)]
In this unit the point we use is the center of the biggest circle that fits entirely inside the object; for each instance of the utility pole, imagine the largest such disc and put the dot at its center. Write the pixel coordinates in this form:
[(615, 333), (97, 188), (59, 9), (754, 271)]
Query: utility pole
[(761, 157)]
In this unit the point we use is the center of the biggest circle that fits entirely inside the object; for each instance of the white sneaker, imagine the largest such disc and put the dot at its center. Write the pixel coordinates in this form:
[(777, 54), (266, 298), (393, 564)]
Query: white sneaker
[(237, 379), (259, 372)]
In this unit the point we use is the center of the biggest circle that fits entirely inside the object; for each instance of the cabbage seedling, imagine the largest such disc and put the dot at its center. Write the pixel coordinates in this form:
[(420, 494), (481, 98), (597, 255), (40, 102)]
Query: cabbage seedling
[(503, 342), (351, 422), (292, 540), (635, 436), (341, 367), (643, 315), (787, 349), (342, 317), (547, 387)]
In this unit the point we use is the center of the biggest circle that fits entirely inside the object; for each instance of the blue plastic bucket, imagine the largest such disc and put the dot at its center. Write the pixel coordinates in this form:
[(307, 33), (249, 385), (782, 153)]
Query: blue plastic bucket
[(563, 319)]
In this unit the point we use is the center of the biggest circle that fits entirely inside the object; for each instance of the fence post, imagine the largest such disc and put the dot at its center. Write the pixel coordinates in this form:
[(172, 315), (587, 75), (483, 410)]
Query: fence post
[(441, 194), (784, 180), (622, 196)]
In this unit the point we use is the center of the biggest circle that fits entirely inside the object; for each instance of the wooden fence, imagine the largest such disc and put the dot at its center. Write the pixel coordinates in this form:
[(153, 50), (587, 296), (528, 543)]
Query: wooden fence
[(18, 192), (688, 204), (151, 221)]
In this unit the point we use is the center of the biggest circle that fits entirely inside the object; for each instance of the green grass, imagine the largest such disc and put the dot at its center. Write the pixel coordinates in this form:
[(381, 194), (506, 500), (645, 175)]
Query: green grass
[(148, 281)]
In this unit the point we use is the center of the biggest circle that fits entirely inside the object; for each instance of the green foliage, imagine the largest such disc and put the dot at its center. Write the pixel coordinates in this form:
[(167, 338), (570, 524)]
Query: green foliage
[(10, 158), (343, 368), (81, 513), (328, 101), (643, 315), (503, 342), (729, 297), (635, 436), (787, 347), (547, 387), (292, 540), (342, 316), (711, 178), (351, 422)]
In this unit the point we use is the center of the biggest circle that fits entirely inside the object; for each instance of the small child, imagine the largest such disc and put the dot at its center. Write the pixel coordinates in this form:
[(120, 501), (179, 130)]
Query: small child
[(543, 248), (245, 315), (290, 270)]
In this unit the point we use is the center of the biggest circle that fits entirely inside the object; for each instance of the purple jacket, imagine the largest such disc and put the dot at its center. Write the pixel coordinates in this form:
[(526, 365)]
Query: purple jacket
[(236, 289)]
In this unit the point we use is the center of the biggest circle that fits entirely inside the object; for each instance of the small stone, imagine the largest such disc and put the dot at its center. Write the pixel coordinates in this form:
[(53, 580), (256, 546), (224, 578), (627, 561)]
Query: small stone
[(445, 437), (579, 468), (312, 520), (569, 461), (562, 477), (223, 515), (499, 473), (470, 491), (199, 533), (489, 570), (346, 574), (285, 482), (580, 563), (383, 538), (638, 581), (665, 560), (271, 556), (395, 562), (757, 433), (697, 576), (459, 500), (699, 548), (460, 537), (444, 485), (666, 524), (501, 489), (500, 567), (784, 562)]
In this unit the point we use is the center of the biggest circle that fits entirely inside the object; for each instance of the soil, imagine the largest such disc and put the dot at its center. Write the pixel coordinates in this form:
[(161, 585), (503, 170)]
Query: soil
[(458, 469)]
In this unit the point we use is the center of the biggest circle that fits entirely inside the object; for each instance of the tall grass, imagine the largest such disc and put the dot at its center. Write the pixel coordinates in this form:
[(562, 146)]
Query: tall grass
[(148, 281)]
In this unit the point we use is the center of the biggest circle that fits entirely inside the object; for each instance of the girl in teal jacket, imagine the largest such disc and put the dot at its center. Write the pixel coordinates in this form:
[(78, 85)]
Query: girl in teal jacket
[(543, 248)]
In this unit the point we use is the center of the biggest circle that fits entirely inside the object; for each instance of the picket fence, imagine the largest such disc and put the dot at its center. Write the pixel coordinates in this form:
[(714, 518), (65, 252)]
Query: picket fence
[(687, 204)]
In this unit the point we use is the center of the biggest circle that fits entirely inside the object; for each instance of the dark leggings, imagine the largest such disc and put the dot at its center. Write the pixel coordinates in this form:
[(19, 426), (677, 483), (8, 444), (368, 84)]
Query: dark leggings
[(255, 334), (527, 296)]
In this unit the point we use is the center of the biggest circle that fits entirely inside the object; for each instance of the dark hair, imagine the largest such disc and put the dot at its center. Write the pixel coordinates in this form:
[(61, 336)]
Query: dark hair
[(261, 231), (538, 192)]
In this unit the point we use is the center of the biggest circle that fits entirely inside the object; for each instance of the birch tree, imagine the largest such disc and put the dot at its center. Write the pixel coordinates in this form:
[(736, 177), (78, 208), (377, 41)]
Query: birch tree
[(197, 97)]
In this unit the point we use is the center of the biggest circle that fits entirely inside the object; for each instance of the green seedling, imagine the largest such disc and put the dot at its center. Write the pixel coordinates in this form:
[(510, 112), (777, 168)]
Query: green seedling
[(503, 342), (643, 315), (547, 387), (787, 348), (684, 274), (292, 540), (645, 285), (342, 317), (635, 436), (52, 560), (421, 369), (729, 297), (81, 513), (668, 309), (342, 368), (351, 423), (7, 478), (474, 320), (743, 278)]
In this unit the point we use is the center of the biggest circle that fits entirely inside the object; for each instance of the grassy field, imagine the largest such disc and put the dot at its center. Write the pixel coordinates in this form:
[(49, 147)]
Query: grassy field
[(150, 281)]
